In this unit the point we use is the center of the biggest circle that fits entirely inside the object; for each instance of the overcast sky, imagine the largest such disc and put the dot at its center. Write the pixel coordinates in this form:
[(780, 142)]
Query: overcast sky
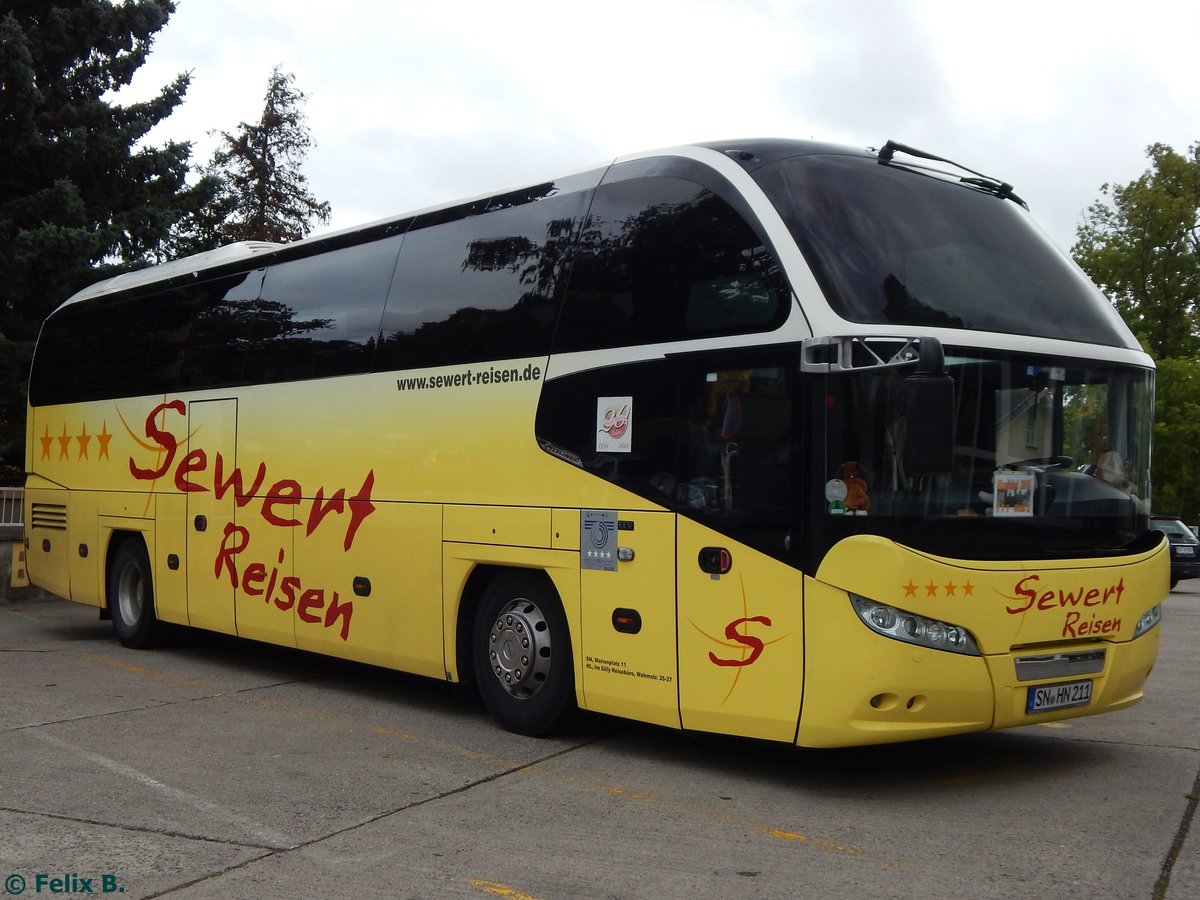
[(416, 103)]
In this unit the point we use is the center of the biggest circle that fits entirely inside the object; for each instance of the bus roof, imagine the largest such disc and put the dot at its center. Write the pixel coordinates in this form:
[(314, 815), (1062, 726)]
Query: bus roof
[(185, 265), (748, 153)]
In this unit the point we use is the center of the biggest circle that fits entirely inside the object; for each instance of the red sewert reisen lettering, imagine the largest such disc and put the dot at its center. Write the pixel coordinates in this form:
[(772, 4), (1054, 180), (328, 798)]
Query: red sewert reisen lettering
[(279, 505)]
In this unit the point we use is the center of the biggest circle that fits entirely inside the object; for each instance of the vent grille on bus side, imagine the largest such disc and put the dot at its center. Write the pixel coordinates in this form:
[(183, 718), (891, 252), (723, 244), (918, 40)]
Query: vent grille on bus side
[(48, 515)]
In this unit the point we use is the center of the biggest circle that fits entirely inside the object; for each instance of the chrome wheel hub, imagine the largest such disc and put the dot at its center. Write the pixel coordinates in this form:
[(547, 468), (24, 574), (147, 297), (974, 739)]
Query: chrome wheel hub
[(519, 648), (130, 594)]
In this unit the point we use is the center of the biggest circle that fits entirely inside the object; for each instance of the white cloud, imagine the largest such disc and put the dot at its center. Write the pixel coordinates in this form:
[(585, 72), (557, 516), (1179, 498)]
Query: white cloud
[(412, 103)]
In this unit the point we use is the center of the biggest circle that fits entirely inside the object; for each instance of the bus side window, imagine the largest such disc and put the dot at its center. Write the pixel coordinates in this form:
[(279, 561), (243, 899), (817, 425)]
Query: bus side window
[(738, 454), (712, 437), (567, 414), (318, 316), (665, 259), (95, 352), (200, 341), (474, 285)]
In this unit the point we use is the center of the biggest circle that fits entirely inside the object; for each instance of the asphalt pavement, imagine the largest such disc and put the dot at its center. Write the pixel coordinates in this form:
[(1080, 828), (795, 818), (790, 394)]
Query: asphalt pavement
[(214, 767)]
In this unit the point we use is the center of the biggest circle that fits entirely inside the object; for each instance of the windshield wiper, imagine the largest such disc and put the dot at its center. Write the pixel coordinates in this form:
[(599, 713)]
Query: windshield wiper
[(1001, 189)]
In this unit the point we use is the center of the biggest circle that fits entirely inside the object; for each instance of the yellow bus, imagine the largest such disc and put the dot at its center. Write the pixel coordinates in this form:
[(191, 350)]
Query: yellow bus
[(778, 439)]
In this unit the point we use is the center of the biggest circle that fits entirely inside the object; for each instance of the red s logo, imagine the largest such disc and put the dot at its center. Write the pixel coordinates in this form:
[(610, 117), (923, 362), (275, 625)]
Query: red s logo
[(165, 440), (755, 645)]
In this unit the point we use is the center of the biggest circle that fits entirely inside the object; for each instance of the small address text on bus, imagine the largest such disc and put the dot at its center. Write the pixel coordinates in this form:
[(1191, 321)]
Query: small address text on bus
[(470, 378)]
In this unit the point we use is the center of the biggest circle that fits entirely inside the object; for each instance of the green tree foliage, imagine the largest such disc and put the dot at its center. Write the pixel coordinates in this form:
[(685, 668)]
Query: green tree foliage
[(15, 357), (1141, 244), (77, 189), (265, 196), (1176, 463), (81, 196)]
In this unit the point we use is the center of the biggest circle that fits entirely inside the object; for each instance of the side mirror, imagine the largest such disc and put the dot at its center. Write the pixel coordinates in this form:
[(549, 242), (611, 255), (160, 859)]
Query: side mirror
[(929, 413)]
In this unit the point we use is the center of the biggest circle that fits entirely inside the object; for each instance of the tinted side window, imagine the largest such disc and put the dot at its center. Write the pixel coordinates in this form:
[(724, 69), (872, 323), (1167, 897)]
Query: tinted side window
[(665, 259), (711, 436), (202, 332), (319, 316), (482, 287), (94, 351), (189, 337)]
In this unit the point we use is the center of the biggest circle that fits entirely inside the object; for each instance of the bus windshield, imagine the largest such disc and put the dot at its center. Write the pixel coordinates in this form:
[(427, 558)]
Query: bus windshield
[(1050, 459), (890, 246)]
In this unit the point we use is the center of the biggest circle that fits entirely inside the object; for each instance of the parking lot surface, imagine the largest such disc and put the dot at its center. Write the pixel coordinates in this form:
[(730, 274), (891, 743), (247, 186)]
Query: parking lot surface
[(215, 767)]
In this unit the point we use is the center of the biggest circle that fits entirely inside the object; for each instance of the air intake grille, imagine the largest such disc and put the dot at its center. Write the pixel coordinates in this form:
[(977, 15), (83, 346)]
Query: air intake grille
[(48, 515)]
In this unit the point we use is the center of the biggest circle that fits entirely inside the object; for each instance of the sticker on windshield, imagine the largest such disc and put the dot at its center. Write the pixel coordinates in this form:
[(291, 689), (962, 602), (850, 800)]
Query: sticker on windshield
[(835, 496), (1013, 494)]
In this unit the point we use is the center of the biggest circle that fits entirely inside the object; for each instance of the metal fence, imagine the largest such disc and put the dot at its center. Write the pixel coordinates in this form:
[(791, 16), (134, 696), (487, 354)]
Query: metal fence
[(10, 508)]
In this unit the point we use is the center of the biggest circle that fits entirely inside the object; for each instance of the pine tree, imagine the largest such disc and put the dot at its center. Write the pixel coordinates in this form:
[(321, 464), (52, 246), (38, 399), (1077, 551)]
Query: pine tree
[(77, 191), (80, 196), (265, 195)]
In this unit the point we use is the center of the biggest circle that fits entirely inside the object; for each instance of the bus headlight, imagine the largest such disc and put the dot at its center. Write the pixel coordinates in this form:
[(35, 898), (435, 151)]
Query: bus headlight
[(1149, 619), (911, 628)]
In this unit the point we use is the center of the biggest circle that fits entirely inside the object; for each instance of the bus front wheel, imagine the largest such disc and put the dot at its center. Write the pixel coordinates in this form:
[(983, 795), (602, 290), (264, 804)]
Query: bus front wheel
[(522, 652), (131, 596)]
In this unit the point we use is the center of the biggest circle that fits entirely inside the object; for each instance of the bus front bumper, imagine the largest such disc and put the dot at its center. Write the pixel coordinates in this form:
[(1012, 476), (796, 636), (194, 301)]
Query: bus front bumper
[(873, 690)]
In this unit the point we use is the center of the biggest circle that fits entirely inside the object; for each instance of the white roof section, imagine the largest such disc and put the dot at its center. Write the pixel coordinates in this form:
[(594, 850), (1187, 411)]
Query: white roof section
[(187, 265)]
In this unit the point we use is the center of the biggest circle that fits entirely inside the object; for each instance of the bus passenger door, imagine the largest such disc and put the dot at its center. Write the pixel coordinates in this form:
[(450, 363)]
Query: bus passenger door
[(741, 652), (627, 601), (212, 430), (741, 647)]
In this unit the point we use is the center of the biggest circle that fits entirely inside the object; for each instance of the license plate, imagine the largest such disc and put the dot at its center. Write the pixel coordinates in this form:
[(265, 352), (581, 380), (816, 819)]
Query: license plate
[(1186, 550), (1058, 696)]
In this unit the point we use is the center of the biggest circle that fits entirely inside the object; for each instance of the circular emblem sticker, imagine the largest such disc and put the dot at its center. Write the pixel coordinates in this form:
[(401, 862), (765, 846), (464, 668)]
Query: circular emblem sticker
[(835, 494), (835, 490)]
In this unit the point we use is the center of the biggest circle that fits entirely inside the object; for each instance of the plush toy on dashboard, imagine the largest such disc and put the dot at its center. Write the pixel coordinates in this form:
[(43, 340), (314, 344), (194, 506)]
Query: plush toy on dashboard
[(857, 502)]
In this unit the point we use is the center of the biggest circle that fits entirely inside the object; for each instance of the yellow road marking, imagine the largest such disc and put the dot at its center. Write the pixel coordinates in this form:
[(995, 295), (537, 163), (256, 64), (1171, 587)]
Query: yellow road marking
[(499, 890)]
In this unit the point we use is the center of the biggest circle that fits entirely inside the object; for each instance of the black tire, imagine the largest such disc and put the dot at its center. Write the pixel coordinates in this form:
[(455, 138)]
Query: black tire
[(1174, 583), (131, 596), (522, 653)]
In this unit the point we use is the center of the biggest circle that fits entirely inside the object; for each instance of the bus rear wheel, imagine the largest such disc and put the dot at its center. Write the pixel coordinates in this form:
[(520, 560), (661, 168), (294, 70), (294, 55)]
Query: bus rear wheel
[(522, 653), (131, 596)]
